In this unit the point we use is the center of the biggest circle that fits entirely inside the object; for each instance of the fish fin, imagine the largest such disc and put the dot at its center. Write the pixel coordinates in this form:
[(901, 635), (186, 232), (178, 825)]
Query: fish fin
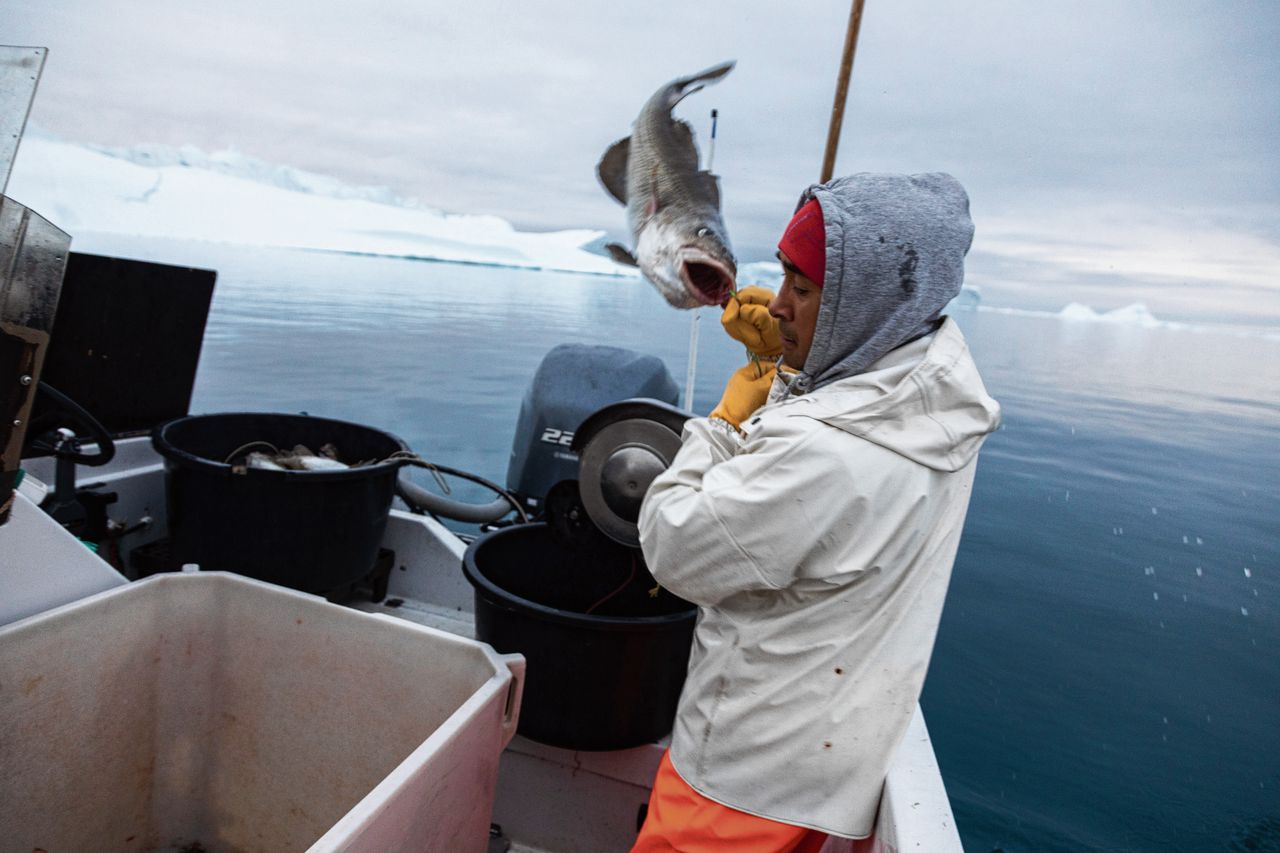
[(710, 184), (612, 169), (683, 136), (621, 254)]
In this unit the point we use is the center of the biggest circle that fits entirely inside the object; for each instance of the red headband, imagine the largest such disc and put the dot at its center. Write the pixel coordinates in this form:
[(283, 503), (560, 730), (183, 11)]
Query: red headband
[(805, 242)]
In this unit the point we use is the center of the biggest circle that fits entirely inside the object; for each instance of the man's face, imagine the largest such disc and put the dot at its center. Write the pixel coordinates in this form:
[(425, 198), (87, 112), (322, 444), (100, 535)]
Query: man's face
[(796, 309)]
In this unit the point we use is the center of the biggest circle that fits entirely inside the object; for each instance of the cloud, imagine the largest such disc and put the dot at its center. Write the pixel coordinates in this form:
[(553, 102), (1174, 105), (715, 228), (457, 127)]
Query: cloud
[(1186, 265), (504, 108)]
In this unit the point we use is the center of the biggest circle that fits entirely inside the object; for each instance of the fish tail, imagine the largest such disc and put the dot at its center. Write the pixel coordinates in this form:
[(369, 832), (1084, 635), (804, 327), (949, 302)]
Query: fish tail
[(682, 87)]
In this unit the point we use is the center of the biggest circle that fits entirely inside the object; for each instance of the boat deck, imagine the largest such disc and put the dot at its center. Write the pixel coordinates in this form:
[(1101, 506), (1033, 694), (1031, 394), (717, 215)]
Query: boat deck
[(548, 799)]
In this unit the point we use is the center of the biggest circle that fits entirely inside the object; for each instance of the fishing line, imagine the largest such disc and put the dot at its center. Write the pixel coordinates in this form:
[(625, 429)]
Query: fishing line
[(693, 333), (692, 372)]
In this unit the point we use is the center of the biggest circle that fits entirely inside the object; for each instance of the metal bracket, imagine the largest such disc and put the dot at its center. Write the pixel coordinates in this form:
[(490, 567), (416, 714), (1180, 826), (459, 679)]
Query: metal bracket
[(20, 69)]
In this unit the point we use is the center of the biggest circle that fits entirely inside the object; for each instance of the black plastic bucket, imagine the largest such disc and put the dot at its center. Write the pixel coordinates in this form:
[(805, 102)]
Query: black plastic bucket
[(315, 531), (605, 679)]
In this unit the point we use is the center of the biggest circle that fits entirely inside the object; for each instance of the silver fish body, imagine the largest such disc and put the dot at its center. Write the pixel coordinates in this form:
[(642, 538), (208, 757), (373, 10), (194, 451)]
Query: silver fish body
[(673, 207), (298, 459)]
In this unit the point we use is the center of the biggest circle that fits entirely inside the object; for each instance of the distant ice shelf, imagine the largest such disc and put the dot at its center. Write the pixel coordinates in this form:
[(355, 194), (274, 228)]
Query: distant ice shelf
[(225, 197)]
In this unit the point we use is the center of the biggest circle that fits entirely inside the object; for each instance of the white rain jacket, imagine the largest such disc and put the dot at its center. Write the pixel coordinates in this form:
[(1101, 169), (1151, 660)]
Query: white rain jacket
[(819, 550)]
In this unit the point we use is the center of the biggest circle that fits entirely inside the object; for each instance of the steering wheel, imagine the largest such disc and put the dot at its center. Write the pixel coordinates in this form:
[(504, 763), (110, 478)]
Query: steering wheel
[(67, 411)]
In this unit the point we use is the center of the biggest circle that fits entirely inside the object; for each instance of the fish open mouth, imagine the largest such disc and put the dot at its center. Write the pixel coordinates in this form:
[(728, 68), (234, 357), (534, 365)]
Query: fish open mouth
[(707, 279)]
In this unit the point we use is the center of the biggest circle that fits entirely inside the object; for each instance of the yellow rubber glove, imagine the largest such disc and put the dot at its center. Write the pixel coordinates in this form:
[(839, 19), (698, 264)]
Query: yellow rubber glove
[(746, 318), (745, 392)]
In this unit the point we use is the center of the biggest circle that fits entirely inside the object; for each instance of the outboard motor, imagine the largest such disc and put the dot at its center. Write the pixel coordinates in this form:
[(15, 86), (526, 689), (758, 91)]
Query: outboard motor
[(572, 382), (607, 647)]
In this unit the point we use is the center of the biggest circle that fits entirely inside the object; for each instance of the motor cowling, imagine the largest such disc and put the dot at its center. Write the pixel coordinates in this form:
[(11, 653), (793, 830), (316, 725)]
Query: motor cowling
[(573, 382)]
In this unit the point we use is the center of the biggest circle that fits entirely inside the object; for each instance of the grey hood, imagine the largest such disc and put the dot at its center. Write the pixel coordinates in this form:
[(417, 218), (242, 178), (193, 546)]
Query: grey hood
[(895, 247)]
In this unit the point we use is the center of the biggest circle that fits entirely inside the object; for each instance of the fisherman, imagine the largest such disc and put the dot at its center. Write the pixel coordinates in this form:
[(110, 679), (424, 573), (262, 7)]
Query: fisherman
[(814, 518)]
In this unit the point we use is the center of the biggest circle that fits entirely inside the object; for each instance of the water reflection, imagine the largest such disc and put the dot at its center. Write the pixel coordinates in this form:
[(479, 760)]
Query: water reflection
[(1109, 370)]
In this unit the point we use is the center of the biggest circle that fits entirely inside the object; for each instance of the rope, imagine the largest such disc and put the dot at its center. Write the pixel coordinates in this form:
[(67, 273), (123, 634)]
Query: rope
[(414, 459)]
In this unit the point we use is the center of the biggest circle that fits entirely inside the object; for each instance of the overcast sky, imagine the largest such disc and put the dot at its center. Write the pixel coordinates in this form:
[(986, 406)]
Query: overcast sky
[(1119, 149)]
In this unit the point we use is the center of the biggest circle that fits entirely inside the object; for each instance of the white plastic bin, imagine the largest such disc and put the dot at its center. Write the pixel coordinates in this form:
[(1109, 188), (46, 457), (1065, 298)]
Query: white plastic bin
[(212, 712)]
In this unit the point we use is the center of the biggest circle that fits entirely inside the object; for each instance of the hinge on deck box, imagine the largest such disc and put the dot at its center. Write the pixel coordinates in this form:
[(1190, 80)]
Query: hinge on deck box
[(498, 843)]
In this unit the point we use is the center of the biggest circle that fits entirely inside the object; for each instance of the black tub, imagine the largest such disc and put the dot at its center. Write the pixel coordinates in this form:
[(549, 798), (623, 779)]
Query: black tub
[(608, 679), (315, 531)]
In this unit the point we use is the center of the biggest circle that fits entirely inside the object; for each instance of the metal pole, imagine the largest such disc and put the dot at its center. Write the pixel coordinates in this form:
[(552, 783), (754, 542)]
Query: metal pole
[(842, 90)]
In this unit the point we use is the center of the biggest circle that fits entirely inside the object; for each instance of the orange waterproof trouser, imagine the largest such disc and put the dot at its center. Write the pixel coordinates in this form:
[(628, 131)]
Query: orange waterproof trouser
[(683, 820)]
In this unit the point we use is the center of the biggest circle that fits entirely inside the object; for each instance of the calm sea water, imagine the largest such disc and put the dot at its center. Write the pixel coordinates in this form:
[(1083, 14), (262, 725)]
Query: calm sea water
[(1106, 675)]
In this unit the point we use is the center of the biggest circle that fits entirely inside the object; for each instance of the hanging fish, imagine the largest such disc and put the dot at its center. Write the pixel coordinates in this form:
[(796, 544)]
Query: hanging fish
[(673, 207)]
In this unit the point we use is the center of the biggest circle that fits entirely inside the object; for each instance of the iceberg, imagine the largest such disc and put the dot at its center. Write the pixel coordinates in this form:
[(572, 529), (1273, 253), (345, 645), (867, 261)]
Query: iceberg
[(238, 165), (225, 197), (968, 299), (762, 273), (1136, 314)]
